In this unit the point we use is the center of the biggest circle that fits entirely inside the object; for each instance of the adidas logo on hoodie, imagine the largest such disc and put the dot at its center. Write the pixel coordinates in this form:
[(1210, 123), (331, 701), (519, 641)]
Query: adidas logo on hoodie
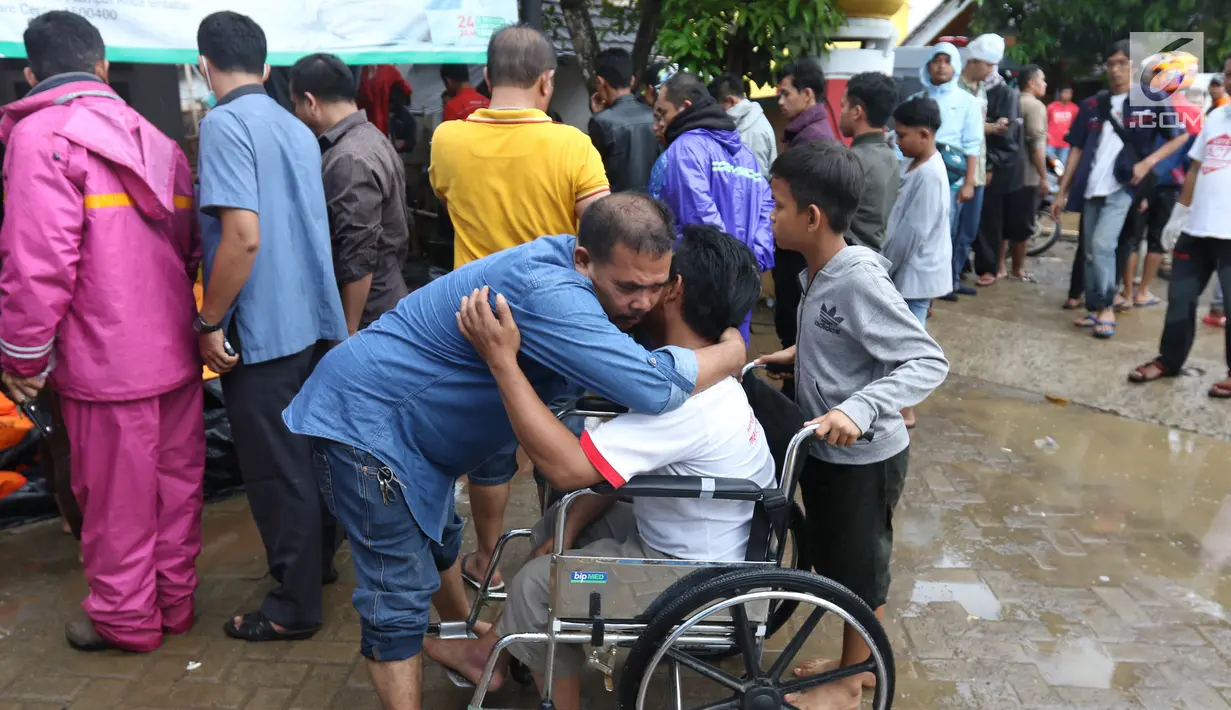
[(829, 320)]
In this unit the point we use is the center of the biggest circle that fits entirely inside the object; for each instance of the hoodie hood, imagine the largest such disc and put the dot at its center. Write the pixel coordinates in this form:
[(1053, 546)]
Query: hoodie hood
[(91, 115), (812, 124), (745, 113), (852, 256), (705, 114), (954, 58)]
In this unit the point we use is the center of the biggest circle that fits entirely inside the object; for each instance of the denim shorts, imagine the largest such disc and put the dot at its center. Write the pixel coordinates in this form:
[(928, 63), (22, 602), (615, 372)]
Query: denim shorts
[(498, 469), (397, 564)]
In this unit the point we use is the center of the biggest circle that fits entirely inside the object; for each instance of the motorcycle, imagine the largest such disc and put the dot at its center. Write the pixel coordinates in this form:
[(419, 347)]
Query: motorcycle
[(1047, 230)]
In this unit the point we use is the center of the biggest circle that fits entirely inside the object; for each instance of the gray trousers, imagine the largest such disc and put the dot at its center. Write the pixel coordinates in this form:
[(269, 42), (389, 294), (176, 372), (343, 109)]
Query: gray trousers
[(526, 609)]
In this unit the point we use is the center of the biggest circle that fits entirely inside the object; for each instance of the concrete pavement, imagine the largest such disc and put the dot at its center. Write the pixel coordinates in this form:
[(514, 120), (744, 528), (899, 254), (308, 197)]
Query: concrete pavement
[(1048, 555)]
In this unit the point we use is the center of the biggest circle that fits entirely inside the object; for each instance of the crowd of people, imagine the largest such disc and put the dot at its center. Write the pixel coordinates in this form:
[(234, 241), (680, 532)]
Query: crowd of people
[(357, 403)]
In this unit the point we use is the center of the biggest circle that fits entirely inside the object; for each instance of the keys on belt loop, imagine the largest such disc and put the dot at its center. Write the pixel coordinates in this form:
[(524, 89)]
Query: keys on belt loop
[(388, 484)]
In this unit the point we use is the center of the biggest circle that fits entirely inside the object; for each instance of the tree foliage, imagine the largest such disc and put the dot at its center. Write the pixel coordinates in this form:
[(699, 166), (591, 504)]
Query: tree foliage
[(705, 36), (1074, 34), (713, 36)]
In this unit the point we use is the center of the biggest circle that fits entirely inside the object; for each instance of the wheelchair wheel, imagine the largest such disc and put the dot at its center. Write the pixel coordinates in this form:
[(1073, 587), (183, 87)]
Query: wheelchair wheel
[(798, 556), (754, 685)]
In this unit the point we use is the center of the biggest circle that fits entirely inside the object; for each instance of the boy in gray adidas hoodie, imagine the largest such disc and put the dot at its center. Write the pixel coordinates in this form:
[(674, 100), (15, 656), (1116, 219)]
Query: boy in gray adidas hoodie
[(862, 356)]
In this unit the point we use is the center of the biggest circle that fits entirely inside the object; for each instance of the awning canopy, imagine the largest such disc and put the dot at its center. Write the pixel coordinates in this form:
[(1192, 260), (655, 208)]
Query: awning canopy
[(358, 31)]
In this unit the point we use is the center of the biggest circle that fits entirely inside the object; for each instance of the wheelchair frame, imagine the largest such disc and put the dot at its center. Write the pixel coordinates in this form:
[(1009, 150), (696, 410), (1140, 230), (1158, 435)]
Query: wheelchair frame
[(695, 629)]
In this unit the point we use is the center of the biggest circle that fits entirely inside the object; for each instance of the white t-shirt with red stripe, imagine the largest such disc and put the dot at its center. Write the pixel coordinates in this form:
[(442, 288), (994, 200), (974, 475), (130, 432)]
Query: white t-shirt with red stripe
[(1213, 148), (713, 434)]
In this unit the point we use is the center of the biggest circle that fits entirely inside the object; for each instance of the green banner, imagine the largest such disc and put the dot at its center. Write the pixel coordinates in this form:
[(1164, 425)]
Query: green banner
[(358, 31)]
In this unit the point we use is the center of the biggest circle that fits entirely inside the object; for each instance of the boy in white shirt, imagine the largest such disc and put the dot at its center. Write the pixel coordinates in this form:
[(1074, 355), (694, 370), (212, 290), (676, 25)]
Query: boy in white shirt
[(917, 237), (1201, 235), (714, 284)]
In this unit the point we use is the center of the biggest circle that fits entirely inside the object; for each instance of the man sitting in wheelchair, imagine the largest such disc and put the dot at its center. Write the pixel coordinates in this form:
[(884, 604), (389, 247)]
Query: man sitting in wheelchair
[(714, 285)]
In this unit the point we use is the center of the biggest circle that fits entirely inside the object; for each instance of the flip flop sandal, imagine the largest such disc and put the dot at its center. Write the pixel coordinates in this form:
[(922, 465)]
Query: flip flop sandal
[(1026, 277), (1104, 334), (1070, 306), (1221, 390), (1153, 301), (1087, 322), (1215, 321), (985, 281), (1123, 307), (255, 626), (1139, 376), (476, 582)]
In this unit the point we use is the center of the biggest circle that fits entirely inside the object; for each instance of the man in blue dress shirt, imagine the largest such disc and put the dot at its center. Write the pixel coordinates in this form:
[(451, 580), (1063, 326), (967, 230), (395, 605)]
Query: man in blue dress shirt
[(271, 295)]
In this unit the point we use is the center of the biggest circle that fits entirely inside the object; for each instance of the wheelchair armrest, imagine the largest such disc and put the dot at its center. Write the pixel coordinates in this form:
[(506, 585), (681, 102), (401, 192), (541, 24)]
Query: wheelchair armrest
[(594, 403), (685, 487)]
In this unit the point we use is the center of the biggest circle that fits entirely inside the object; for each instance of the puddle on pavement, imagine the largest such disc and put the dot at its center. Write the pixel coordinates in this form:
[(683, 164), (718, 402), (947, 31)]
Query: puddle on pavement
[(975, 597), (1079, 663), (1112, 497)]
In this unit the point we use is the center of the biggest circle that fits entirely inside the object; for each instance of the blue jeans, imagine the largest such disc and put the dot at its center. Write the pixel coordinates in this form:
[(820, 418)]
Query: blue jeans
[(919, 308), (398, 565), (1103, 219), (1217, 302), (963, 227), (1062, 154)]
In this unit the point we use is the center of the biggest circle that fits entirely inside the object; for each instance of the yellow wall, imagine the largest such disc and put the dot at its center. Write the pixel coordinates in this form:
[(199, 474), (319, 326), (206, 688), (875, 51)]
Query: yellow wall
[(901, 20)]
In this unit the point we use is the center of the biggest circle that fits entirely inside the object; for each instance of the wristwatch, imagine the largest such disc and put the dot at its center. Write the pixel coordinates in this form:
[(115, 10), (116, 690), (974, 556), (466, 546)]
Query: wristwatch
[(203, 328)]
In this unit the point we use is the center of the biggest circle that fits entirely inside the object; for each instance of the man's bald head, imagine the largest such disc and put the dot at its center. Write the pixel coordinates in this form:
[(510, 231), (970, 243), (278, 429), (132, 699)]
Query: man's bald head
[(517, 56)]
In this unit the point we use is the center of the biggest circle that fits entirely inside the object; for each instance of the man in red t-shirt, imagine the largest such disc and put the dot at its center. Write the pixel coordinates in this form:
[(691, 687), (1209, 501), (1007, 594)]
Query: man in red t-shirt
[(376, 84), (461, 99), (1060, 115)]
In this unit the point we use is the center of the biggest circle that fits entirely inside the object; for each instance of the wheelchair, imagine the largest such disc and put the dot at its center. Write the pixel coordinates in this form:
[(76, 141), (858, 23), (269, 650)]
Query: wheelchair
[(700, 615)]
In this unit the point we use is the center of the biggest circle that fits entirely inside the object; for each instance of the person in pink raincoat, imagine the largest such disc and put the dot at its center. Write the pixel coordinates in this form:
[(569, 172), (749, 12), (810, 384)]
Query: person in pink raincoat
[(98, 253)]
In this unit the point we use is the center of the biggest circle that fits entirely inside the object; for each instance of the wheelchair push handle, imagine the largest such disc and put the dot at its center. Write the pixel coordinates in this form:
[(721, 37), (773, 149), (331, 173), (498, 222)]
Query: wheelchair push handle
[(768, 367)]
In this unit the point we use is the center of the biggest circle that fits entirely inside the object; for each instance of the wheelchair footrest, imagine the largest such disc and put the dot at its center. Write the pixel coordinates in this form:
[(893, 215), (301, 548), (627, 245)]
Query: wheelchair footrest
[(456, 679)]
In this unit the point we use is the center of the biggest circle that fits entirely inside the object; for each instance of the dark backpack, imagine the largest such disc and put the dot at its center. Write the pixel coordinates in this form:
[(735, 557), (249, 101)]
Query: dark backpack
[(1003, 102)]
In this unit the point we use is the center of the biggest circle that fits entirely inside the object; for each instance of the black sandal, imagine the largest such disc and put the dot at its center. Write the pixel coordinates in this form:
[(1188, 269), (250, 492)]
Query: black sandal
[(255, 626)]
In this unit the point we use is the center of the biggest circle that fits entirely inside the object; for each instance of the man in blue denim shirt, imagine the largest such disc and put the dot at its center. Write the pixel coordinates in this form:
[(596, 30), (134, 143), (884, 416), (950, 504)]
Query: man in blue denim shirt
[(405, 407), (1101, 176)]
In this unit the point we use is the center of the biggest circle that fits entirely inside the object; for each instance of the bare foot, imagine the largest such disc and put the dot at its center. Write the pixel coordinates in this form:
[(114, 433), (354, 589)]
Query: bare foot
[(466, 656), (65, 527), (843, 695), (821, 665)]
